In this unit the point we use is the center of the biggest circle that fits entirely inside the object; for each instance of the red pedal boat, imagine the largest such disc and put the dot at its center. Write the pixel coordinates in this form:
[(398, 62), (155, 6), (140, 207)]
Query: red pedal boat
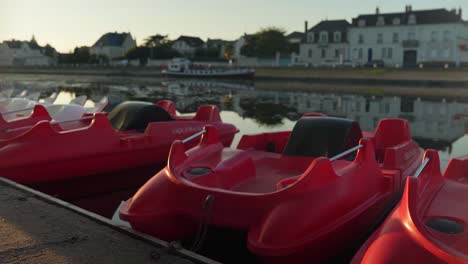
[(133, 135), (429, 225), (299, 195)]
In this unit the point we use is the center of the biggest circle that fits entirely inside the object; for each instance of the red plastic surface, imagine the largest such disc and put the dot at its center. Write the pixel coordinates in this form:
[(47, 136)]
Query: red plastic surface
[(406, 238), (48, 152), (289, 206), (39, 113)]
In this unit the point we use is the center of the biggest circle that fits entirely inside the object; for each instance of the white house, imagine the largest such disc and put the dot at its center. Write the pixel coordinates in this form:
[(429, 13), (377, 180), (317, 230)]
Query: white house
[(239, 43), (410, 38), (113, 45), (188, 45), (25, 53), (325, 44)]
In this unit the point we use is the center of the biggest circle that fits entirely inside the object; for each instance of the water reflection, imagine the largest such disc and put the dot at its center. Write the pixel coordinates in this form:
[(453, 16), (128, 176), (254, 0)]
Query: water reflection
[(434, 123)]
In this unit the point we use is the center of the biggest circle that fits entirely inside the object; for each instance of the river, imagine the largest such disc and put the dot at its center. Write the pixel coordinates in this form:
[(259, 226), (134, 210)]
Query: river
[(435, 122)]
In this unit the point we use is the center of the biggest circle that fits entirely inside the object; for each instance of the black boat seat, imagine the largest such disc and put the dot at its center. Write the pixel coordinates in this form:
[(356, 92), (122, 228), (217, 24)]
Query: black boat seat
[(135, 115), (322, 137)]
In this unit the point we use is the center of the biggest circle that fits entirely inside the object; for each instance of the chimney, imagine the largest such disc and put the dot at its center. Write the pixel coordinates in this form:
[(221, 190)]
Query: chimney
[(410, 8), (377, 11), (306, 26), (460, 14)]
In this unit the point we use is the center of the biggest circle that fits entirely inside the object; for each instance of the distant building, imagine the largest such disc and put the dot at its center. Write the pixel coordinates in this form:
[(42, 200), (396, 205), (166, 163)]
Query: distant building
[(187, 45), (26, 53), (239, 43), (410, 38), (326, 43), (113, 45), (295, 37)]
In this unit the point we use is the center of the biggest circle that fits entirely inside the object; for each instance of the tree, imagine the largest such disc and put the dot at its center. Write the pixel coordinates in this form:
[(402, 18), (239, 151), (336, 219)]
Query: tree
[(156, 40), (81, 55), (158, 47), (211, 53), (266, 43)]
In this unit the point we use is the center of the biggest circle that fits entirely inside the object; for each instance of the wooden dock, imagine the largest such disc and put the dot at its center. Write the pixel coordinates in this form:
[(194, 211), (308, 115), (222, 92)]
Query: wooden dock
[(37, 228)]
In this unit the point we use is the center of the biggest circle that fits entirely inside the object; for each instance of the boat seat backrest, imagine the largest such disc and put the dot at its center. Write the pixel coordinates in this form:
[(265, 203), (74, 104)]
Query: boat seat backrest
[(390, 132), (137, 115), (207, 113), (168, 106), (322, 137)]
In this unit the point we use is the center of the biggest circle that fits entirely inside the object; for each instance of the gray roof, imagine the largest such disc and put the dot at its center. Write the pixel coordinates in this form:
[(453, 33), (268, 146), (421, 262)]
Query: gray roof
[(432, 16), (296, 35), (16, 44), (191, 41), (111, 39), (331, 26)]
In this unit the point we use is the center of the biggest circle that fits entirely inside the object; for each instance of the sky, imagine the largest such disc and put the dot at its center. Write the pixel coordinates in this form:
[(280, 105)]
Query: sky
[(66, 24)]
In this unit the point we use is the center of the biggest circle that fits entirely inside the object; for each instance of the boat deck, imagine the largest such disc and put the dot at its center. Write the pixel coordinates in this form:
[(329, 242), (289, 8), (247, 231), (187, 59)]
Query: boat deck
[(37, 228)]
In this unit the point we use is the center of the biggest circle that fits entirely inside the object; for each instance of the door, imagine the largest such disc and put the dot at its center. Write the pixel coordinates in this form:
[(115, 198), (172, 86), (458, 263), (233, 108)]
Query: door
[(410, 58), (369, 55)]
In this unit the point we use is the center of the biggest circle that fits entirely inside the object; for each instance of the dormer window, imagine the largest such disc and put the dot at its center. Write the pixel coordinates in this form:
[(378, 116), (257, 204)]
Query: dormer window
[(412, 19), (324, 37), (396, 21), (380, 21), (337, 36), (362, 23), (310, 37)]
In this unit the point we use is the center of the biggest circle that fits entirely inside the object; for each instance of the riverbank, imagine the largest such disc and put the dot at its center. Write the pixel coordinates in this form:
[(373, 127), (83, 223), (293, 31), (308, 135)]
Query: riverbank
[(458, 94), (38, 228), (437, 78)]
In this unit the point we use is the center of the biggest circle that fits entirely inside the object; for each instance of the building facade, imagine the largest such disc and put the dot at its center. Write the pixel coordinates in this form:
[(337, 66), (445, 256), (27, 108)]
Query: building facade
[(113, 45), (187, 45), (325, 44), (26, 53), (410, 38)]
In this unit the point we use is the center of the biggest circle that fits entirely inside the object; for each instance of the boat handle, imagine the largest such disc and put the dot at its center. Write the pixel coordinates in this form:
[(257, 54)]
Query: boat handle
[(17, 111), (347, 152), (422, 167), (194, 136)]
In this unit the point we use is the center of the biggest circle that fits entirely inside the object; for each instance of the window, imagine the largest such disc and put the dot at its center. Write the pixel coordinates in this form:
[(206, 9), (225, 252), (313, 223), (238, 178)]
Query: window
[(361, 39), (337, 53), (383, 53), (361, 53), (310, 53), (411, 35), (324, 37), (434, 36), (337, 36), (380, 21), (362, 23), (390, 53), (434, 53), (446, 53), (396, 21), (310, 37), (412, 19), (379, 38), (447, 35), (396, 38), (324, 53)]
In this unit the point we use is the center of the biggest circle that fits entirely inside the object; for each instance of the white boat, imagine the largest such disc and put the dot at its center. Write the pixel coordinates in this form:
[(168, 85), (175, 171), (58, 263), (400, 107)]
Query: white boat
[(181, 67)]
